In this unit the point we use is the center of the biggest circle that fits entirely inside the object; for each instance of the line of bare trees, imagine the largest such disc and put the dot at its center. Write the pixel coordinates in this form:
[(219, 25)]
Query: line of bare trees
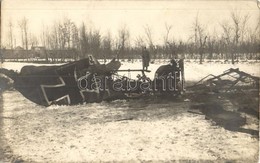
[(236, 40)]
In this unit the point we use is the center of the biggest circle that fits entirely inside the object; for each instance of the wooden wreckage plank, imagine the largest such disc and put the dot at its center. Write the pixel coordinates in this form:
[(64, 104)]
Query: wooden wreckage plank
[(132, 70), (217, 82)]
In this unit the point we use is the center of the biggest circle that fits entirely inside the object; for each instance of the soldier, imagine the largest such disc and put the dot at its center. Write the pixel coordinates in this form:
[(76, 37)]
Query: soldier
[(145, 58)]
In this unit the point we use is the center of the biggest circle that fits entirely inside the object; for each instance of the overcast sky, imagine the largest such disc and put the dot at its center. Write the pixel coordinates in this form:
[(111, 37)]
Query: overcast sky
[(111, 15)]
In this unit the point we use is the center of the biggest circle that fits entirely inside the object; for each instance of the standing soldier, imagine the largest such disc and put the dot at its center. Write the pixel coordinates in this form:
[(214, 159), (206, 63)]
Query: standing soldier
[(145, 58)]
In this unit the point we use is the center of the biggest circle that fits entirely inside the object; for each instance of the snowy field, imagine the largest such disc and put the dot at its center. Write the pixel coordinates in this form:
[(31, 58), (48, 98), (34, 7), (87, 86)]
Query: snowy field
[(125, 130)]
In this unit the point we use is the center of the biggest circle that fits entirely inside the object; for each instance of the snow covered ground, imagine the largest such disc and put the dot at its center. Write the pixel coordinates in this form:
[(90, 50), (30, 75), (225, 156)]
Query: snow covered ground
[(118, 131), (124, 130)]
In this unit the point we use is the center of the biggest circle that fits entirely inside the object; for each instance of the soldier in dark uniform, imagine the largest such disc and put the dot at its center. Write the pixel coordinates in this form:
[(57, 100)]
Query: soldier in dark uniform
[(145, 58)]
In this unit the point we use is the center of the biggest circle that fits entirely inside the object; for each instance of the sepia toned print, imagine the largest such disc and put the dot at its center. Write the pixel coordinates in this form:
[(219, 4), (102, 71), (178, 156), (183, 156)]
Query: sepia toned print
[(129, 81)]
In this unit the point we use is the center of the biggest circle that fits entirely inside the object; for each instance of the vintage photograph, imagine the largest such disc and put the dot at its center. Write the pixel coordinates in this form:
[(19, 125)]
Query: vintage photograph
[(129, 81)]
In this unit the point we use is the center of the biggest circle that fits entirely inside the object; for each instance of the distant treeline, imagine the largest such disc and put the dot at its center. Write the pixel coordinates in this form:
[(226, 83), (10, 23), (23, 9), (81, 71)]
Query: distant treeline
[(237, 40), (186, 51)]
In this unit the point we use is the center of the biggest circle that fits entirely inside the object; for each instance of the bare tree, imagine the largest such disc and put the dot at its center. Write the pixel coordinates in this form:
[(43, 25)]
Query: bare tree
[(75, 43), (149, 38), (33, 41), (139, 42), (21, 32), (74, 37), (200, 37), (236, 22), (55, 38), (67, 31), (244, 23), (123, 40), (107, 46), (239, 25), (84, 41), (210, 47), (95, 42), (168, 30), (61, 36), (253, 40), (10, 34), (168, 46), (239, 28), (56, 35), (234, 33), (48, 41), (148, 34), (52, 40), (227, 37), (43, 36), (23, 24)]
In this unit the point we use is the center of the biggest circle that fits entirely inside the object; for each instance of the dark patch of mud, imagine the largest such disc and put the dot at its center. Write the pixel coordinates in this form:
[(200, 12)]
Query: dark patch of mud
[(246, 101), (221, 110)]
